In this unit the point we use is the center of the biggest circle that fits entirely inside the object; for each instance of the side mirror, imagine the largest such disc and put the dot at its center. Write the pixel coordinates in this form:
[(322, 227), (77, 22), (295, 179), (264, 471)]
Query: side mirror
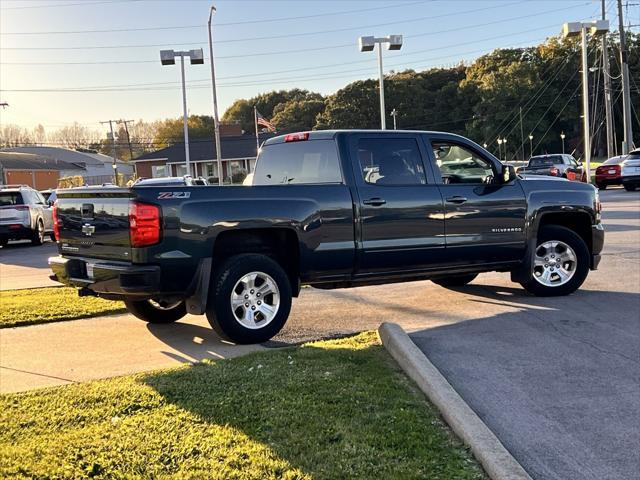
[(508, 173)]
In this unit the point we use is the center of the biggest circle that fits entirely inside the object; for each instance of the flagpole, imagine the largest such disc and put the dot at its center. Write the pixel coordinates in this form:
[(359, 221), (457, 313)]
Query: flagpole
[(255, 118)]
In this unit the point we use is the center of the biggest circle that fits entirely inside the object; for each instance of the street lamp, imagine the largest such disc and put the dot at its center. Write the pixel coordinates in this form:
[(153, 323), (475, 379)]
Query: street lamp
[(562, 135), (216, 122), (168, 57), (574, 29), (367, 44), (394, 114), (499, 150), (531, 145), (504, 140)]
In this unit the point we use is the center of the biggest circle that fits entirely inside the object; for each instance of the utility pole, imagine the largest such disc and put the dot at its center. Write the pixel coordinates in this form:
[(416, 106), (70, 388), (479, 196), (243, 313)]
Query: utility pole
[(113, 149), (611, 149), (216, 121), (394, 114), (126, 129), (521, 136), (627, 144)]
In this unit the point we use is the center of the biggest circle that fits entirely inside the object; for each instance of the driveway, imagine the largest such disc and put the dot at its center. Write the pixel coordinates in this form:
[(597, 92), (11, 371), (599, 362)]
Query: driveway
[(557, 379), (23, 265)]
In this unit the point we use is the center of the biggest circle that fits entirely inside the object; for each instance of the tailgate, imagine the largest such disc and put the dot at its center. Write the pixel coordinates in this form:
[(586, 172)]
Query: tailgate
[(94, 222)]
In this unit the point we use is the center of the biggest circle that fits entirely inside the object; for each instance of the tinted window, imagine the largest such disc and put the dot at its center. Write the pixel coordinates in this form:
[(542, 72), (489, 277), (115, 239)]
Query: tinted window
[(541, 161), (310, 161), (458, 164), (10, 198), (615, 160), (390, 161)]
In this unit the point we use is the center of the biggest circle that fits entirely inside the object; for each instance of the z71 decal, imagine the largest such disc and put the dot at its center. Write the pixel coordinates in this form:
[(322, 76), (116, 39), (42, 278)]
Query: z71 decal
[(167, 195)]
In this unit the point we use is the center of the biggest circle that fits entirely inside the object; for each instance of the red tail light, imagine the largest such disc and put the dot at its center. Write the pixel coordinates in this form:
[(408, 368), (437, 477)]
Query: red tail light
[(296, 137), (553, 171), (144, 224), (56, 224)]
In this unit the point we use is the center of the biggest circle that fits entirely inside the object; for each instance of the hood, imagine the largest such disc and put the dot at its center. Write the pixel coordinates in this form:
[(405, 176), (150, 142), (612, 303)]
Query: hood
[(524, 176)]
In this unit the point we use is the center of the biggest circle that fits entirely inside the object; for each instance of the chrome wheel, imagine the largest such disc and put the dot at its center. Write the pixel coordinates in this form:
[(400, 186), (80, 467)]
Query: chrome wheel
[(255, 300), (555, 263)]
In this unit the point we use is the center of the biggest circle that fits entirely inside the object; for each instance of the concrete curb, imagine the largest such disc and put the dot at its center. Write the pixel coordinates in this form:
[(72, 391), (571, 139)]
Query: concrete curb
[(494, 457)]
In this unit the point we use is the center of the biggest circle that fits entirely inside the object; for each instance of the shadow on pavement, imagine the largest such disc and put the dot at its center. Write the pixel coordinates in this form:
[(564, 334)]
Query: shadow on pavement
[(556, 380)]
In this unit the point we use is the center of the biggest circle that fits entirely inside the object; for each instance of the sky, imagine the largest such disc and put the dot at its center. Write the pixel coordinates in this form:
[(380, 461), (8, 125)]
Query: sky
[(52, 75)]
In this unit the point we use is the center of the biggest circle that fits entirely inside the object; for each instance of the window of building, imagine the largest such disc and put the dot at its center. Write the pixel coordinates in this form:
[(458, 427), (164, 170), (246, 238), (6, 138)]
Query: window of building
[(391, 161), (158, 171)]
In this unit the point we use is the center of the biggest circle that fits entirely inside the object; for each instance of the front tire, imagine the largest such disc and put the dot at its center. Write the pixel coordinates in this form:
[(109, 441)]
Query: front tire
[(560, 264), (601, 186), (250, 299), (629, 188), (156, 312), (455, 280)]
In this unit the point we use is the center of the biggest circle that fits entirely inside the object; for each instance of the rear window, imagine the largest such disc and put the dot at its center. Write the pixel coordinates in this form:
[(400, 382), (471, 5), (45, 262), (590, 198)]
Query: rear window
[(304, 162), (540, 161), (10, 198), (614, 160)]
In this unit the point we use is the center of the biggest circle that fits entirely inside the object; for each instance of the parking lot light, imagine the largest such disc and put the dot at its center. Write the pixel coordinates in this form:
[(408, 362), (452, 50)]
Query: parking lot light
[(367, 44)]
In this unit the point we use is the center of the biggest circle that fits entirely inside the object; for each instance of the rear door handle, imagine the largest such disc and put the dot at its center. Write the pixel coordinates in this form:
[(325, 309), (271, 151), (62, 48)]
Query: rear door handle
[(376, 201), (456, 199)]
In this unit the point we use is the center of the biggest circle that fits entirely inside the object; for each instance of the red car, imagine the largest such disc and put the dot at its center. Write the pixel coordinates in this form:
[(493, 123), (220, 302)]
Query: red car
[(610, 172)]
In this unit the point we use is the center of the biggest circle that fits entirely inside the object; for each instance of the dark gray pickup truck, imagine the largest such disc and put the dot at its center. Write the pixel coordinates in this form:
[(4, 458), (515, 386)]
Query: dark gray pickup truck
[(330, 209)]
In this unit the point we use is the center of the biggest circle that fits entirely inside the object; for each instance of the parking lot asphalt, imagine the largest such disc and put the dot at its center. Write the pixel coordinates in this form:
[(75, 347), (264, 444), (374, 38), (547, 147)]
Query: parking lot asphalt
[(23, 265)]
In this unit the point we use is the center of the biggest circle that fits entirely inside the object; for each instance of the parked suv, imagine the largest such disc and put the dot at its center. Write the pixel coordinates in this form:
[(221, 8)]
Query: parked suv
[(24, 214)]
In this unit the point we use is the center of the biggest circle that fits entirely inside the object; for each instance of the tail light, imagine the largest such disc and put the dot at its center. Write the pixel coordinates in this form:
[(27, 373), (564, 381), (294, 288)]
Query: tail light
[(144, 224), (296, 137), (553, 171), (56, 223)]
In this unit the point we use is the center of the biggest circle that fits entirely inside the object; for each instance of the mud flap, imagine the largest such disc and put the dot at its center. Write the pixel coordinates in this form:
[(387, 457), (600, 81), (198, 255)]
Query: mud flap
[(197, 302), (521, 273)]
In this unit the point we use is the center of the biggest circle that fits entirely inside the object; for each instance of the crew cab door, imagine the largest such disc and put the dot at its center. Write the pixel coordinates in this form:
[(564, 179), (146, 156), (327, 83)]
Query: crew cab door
[(484, 216), (399, 208)]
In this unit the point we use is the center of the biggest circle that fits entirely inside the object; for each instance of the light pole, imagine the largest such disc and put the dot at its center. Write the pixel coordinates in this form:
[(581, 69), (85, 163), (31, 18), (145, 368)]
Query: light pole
[(573, 29), (530, 145), (562, 135), (168, 57), (394, 114), (504, 140), (367, 44), (499, 149), (216, 122)]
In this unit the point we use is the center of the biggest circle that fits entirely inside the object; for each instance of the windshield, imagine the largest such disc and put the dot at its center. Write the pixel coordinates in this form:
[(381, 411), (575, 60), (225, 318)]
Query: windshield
[(10, 198), (542, 161)]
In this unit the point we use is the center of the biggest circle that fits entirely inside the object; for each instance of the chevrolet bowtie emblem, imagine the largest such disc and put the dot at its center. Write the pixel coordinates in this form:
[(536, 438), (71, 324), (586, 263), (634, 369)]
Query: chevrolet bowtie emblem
[(88, 229)]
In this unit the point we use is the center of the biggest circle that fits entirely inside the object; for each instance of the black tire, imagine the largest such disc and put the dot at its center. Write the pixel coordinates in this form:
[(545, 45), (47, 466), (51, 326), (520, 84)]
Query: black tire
[(37, 237), (52, 236), (455, 280), (554, 232), (601, 186), (219, 310), (629, 188), (147, 311), (3, 241)]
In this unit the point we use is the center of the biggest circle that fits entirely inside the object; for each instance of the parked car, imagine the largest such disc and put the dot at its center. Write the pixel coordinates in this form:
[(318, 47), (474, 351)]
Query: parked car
[(330, 209), (556, 165), (610, 172), (49, 195), (631, 171), (24, 214)]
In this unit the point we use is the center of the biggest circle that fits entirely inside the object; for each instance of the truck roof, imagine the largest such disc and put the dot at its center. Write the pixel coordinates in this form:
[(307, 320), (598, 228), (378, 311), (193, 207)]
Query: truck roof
[(329, 134)]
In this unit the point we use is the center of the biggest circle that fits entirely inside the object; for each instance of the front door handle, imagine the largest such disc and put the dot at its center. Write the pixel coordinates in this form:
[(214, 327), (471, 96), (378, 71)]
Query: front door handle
[(376, 201), (456, 199)]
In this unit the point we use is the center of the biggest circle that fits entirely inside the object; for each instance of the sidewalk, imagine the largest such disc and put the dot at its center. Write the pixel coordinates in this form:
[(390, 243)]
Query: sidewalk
[(66, 352)]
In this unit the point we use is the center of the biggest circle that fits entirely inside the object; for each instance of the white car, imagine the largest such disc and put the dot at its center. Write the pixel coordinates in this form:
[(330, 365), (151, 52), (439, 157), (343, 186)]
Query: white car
[(631, 171)]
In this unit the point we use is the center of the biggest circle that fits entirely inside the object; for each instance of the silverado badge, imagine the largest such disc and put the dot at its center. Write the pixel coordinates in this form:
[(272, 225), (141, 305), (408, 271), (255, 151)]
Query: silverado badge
[(88, 229)]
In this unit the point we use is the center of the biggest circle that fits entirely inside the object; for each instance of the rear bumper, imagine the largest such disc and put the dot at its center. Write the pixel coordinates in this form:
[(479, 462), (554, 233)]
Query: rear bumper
[(597, 244), (605, 180), (106, 278), (15, 231)]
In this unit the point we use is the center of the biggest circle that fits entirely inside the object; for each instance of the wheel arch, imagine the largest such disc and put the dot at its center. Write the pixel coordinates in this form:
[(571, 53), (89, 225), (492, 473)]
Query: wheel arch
[(578, 222)]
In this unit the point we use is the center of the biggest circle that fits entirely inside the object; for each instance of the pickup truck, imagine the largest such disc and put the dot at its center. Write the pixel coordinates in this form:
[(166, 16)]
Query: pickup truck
[(329, 209), (557, 165)]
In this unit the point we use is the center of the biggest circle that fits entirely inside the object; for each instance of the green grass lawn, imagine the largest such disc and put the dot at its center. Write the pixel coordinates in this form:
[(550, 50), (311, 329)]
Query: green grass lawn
[(332, 409), (39, 305)]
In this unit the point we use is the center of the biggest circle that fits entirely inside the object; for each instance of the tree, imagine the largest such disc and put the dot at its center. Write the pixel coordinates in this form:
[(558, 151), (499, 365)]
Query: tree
[(296, 115)]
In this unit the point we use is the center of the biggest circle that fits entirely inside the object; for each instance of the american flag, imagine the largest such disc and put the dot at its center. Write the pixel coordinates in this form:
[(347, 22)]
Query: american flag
[(264, 122)]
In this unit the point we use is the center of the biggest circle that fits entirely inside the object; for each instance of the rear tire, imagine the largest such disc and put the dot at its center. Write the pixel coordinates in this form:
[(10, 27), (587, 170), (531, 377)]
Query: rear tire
[(455, 280), (629, 188), (154, 312), (3, 241), (601, 186), (249, 300), (52, 236), (570, 256), (37, 237)]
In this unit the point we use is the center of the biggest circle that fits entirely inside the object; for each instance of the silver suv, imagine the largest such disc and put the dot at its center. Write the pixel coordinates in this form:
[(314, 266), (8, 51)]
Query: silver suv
[(24, 214)]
